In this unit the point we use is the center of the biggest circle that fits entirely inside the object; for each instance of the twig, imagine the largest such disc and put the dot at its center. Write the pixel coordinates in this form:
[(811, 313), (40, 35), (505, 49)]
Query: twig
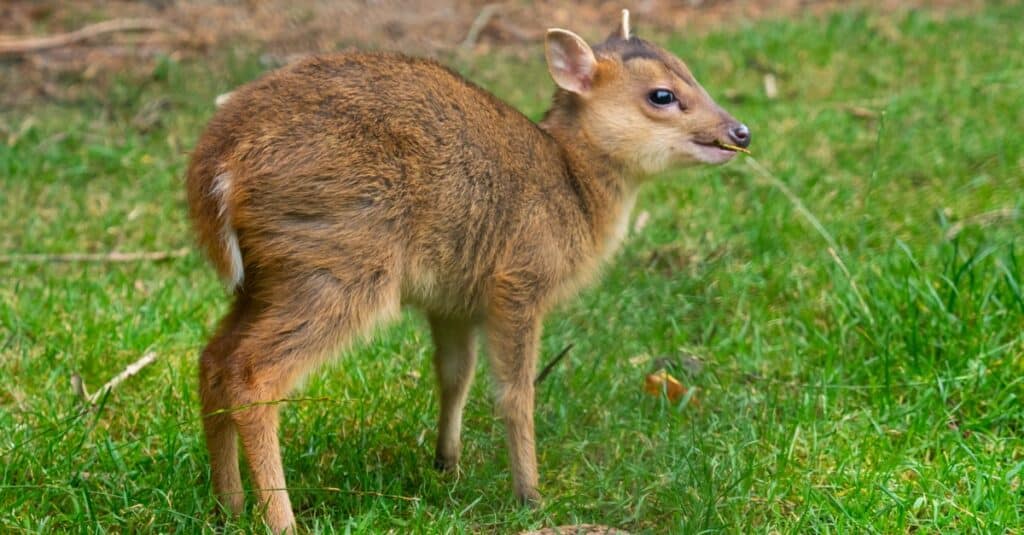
[(983, 219), (577, 529), (358, 493), (479, 23), (508, 29), (551, 365), (129, 371), (78, 385), (35, 44), (335, 489), (116, 256), (859, 112)]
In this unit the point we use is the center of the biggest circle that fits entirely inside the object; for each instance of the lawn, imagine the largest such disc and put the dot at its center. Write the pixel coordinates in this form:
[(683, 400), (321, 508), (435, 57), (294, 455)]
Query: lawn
[(847, 309)]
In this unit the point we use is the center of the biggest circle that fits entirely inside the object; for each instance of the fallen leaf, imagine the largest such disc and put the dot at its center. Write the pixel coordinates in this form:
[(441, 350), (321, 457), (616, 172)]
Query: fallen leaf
[(660, 381)]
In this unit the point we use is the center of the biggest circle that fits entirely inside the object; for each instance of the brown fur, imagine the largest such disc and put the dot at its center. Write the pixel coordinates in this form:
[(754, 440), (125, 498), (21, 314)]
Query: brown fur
[(356, 183)]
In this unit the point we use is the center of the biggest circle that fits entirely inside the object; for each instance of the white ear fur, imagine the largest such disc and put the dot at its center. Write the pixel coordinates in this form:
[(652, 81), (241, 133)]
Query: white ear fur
[(571, 62)]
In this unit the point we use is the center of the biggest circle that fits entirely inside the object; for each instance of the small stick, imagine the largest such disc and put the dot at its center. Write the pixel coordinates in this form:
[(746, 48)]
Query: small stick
[(551, 365), (116, 256), (479, 23), (78, 387), (340, 490), (733, 148), (360, 493), (984, 219), (577, 529), (35, 44), (132, 369)]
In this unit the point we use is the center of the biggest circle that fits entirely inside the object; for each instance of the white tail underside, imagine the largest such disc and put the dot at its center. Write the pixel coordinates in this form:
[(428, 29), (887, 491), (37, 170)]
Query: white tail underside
[(221, 189)]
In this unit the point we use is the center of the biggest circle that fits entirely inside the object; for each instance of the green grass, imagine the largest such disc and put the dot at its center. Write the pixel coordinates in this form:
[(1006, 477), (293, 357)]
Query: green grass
[(877, 390)]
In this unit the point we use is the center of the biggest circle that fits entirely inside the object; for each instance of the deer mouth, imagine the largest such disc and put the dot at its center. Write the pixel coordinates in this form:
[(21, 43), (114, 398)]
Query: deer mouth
[(713, 152), (716, 144), (727, 146)]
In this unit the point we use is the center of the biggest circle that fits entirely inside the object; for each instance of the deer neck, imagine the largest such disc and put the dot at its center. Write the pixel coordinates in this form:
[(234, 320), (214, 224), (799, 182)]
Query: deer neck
[(606, 189)]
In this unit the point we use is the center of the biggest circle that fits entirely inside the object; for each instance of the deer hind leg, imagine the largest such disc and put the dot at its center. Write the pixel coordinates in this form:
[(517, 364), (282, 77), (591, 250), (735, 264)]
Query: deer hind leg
[(302, 323), (221, 436), (454, 362)]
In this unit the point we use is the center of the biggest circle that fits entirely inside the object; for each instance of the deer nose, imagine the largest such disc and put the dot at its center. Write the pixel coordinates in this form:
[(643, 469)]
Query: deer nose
[(740, 135)]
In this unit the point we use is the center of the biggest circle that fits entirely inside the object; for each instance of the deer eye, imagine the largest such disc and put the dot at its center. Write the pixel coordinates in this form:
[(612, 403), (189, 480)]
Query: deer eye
[(661, 97)]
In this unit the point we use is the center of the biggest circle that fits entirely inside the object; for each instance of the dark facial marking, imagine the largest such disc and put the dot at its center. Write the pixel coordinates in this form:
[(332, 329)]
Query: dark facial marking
[(636, 48), (634, 53)]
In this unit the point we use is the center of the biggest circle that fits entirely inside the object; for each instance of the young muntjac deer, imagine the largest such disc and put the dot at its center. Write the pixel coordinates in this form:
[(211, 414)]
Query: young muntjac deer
[(335, 190)]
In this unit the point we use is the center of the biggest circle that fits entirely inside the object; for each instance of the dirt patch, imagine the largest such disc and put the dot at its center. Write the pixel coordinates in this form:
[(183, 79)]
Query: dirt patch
[(281, 29)]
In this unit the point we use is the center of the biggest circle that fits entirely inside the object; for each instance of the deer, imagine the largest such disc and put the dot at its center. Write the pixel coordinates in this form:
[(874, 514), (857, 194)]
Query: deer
[(332, 192)]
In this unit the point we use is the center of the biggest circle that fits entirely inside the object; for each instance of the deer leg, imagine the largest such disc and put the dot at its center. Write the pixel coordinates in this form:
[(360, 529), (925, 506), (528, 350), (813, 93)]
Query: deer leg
[(454, 362)]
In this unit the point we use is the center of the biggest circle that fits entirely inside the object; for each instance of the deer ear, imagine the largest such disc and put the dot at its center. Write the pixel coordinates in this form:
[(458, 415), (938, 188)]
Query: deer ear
[(623, 31), (571, 62)]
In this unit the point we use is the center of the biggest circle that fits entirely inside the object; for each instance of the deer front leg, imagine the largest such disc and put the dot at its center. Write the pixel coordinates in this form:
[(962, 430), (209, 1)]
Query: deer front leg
[(513, 337)]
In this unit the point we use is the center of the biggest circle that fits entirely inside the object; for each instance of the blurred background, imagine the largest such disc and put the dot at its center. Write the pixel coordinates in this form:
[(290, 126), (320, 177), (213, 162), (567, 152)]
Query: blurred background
[(144, 33)]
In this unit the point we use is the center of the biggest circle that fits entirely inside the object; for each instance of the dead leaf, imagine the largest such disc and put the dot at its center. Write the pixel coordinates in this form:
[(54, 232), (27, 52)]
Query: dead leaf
[(661, 381)]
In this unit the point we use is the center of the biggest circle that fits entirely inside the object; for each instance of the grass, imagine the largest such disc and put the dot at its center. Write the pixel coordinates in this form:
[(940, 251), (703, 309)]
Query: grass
[(859, 374)]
